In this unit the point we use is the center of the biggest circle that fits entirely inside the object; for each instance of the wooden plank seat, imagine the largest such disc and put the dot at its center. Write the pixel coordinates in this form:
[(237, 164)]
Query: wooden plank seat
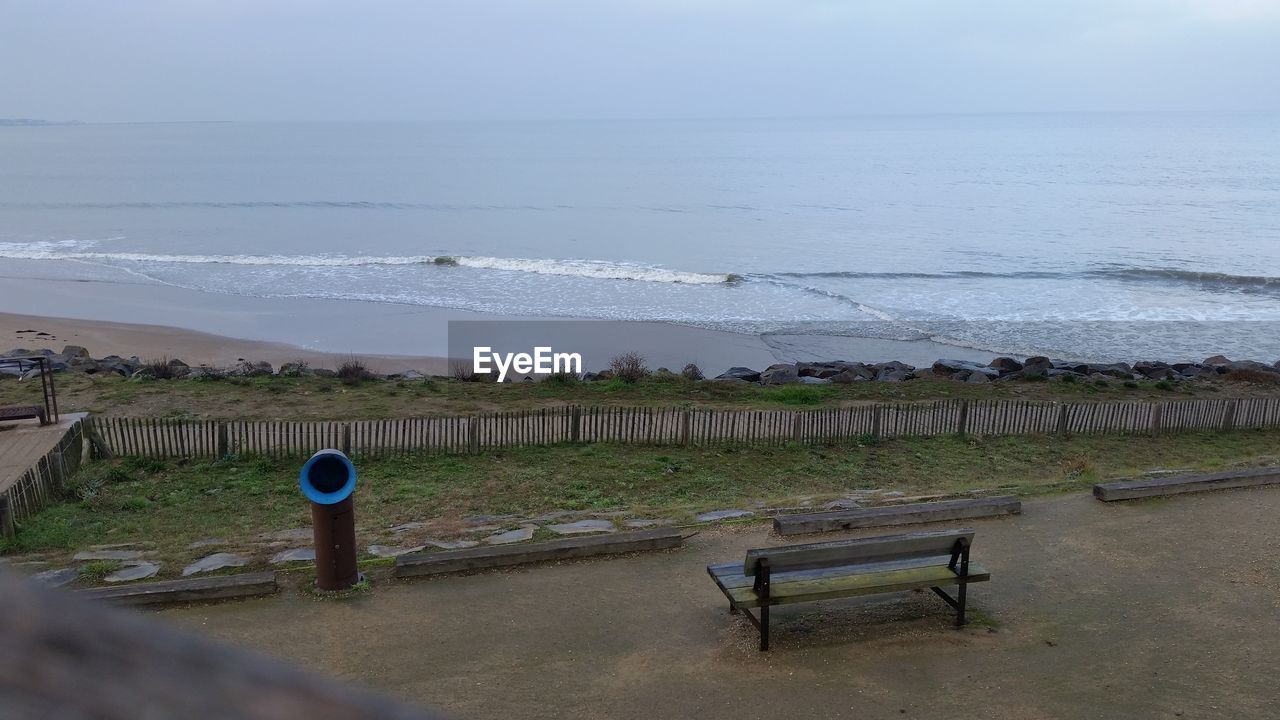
[(848, 568), (22, 412)]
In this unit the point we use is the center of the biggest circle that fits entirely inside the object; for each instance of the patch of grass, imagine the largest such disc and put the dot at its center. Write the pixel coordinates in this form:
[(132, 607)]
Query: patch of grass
[(796, 394), (241, 498), (329, 398), (361, 588), (98, 569)]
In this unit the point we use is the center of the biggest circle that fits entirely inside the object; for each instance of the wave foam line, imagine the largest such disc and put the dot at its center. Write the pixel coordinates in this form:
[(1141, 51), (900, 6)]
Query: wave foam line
[(1108, 273), (570, 268)]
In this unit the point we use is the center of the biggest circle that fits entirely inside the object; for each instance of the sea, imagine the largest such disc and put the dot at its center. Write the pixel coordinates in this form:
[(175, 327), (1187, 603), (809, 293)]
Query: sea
[(1084, 236)]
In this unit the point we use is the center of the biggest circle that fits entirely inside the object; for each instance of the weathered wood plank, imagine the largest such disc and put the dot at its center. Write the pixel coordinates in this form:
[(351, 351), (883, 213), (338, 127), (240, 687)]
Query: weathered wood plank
[(857, 550), (505, 555), (891, 515), (785, 592), (1176, 485), (217, 587)]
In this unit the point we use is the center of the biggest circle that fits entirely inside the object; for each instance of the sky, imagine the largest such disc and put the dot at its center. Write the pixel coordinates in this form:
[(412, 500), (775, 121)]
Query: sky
[(405, 60)]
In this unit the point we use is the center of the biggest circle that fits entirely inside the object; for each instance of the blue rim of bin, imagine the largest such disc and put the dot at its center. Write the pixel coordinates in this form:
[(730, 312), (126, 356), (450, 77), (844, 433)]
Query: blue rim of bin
[(327, 498)]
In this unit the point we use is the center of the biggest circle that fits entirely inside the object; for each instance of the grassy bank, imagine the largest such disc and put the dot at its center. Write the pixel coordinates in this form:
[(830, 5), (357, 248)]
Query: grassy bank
[(168, 506), (313, 398)]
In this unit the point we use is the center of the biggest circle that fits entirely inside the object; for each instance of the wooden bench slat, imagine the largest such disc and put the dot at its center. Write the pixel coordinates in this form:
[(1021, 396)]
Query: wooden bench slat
[(838, 586), (857, 550), (731, 575)]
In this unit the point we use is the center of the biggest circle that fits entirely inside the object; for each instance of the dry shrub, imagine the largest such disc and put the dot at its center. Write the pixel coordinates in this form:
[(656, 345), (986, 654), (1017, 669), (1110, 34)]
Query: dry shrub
[(629, 367), (352, 371), (159, 369)]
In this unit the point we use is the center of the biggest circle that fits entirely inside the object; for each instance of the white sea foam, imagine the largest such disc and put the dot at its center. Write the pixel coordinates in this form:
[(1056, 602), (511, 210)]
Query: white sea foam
[(73, 250)]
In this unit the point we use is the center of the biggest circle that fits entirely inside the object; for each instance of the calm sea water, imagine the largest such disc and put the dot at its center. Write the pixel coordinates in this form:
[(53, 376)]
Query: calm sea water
[(1078, 235)]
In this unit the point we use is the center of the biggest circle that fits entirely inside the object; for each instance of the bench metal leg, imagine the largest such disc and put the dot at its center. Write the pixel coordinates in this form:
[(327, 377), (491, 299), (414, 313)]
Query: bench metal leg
[(764, 628), (958, 602)]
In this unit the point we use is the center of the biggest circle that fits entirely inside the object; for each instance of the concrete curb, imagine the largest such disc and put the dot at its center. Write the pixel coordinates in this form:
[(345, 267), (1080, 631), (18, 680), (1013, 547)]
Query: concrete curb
[(891, 515), (218, 587), (506, 555), (1178, 484)]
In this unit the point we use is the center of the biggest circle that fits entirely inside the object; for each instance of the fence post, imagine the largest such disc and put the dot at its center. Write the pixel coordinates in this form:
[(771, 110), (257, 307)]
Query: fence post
[(795, 426), (473, 434), (575, 427), (963, 427), (875, 421), (686, 426), (98, 448), (6, 518), (1063, 414), (1229, 415), (1157, 418), (224, 445), (346, 439)]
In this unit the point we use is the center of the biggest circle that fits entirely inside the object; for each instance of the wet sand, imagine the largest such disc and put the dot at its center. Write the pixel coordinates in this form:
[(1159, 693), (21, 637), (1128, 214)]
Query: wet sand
[(198, 327)]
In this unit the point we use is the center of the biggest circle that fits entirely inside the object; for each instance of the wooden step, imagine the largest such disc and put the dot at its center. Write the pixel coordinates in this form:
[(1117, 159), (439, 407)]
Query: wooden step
[(890, 515), (1178, 484), (217, 587), (504, 555)]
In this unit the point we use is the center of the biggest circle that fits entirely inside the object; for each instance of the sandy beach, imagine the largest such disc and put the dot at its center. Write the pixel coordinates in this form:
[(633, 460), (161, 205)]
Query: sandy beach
[(219, 329)]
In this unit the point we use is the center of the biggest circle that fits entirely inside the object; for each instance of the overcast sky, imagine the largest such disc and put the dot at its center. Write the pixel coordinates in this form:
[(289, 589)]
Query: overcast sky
[(127, 60)]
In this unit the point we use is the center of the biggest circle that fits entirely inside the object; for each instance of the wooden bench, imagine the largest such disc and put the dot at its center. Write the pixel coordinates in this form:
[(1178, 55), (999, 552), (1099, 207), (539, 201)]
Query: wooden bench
[(22, 412), (845, 568)]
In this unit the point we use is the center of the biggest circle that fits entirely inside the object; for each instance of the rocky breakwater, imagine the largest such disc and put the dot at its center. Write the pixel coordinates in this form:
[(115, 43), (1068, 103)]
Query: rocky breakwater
[(1030, 369), (75, 358)]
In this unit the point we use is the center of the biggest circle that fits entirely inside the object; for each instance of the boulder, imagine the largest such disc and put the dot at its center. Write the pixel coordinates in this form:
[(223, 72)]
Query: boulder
[(814, 381), (1115, 370), (74, 351), (178, 366), (82, 364), (1037, 366), (961, 369), (850, 376), (978, 377), (1246, 365), (895, 372), (1154, 370), (1075, 367), (740, 373), (818, 370), (1006, 365), (293, 369), (779, 374), (1216, 360)]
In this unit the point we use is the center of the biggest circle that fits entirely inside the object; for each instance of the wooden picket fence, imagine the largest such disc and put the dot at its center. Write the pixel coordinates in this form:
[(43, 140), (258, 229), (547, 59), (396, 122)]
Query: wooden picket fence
[(163, 438), (43, 480)]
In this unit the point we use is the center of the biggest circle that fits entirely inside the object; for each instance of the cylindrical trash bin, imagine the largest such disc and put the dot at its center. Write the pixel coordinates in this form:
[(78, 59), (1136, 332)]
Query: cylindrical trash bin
[(328, 480)]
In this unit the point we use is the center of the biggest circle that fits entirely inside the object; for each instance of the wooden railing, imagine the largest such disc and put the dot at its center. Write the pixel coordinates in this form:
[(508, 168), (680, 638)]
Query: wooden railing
[(43, 480), (162, 438)]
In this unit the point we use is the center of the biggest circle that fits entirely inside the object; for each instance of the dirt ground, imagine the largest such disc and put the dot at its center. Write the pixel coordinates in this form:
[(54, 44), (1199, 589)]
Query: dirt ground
[(1164, 608)]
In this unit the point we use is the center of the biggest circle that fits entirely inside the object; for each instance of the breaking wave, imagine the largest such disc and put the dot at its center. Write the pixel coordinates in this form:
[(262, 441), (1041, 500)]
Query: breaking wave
[(73, 250)]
